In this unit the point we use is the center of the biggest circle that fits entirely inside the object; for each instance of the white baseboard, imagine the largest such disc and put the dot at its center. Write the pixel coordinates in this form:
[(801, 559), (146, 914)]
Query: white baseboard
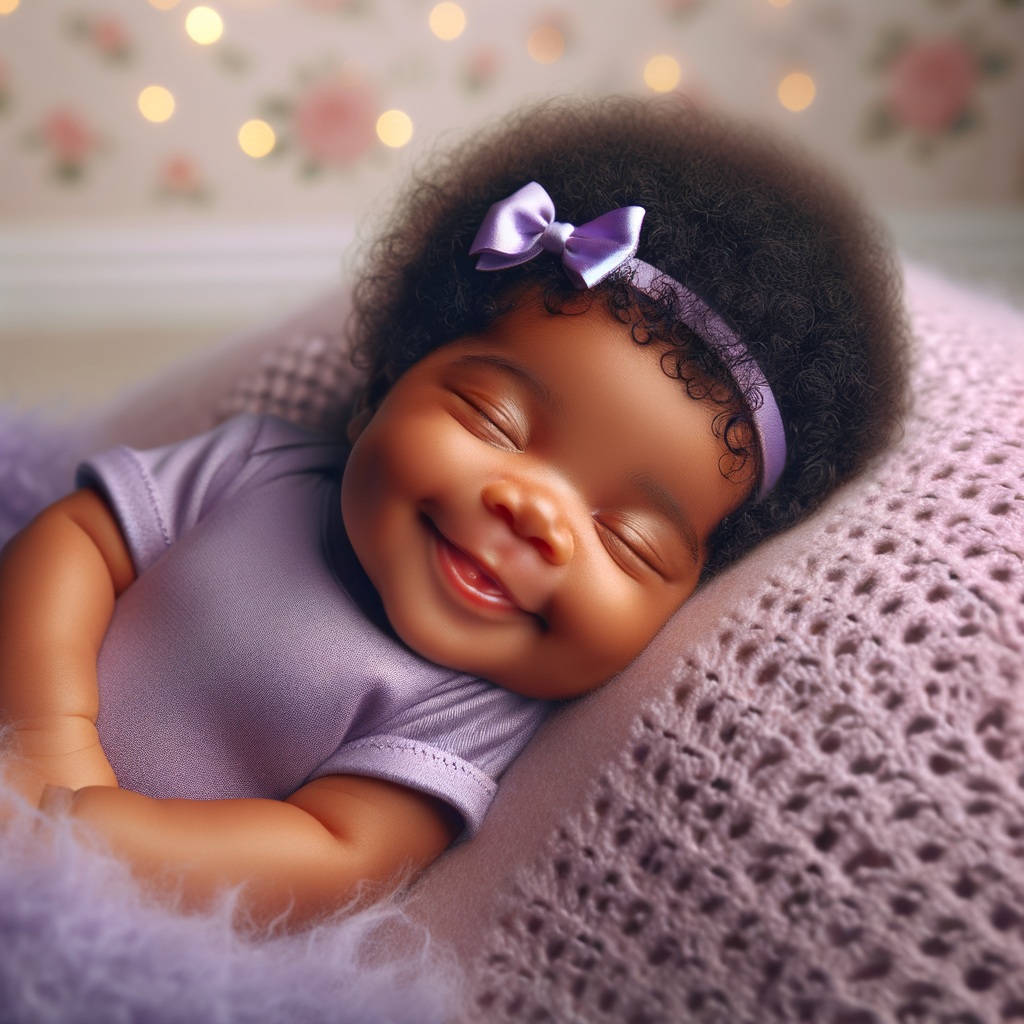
[(87, 278), (982, 246), (84, 278)]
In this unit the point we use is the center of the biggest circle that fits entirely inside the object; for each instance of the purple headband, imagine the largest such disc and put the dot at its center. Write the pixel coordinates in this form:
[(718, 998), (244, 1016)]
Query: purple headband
[(522, 226)]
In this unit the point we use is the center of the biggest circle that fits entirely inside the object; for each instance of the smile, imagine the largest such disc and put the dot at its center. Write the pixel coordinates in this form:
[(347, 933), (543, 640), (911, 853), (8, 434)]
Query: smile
[(469, 579)]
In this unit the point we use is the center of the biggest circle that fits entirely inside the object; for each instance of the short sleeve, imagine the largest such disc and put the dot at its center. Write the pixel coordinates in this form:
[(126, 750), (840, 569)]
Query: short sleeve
[(159, 495), (456, 744)]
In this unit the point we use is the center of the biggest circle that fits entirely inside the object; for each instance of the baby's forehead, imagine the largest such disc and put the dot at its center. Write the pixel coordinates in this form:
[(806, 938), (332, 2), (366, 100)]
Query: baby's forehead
[(583, 379), (582, 368)]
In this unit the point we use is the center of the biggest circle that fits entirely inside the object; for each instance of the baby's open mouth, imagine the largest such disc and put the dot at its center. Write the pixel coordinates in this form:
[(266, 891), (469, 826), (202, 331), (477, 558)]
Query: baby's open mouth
[(469, 576)]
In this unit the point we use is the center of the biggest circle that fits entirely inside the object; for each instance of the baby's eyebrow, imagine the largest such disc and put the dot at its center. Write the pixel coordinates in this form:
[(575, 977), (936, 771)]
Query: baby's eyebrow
[(533, 382), (672, 510)]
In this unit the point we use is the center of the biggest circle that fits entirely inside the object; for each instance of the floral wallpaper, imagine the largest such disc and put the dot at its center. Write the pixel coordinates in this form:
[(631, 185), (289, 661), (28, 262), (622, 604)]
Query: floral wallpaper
[(157, 110), (932, 85)]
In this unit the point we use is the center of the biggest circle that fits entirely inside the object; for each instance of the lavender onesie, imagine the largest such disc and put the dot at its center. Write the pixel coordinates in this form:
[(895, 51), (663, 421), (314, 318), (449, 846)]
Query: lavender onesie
[(252, 655)]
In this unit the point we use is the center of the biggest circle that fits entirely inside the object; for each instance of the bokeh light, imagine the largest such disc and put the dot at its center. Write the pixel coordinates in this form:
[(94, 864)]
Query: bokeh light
[(545, 44), (156, 103), (662, 73), (394, 128), (8, 6), (256, 138), (204, 25), (796, 91), (164, 5), (447, 21)]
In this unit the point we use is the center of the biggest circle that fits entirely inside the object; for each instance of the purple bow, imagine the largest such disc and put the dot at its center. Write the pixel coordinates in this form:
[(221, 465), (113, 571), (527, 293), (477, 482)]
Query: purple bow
[(522, 226)]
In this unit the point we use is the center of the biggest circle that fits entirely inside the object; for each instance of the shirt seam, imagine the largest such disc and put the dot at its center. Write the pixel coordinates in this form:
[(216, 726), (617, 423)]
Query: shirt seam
[(450, 761), (165, 532)]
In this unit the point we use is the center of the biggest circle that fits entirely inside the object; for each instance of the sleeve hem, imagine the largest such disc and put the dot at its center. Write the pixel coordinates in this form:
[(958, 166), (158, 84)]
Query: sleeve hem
[(419, 766), (126, 485)]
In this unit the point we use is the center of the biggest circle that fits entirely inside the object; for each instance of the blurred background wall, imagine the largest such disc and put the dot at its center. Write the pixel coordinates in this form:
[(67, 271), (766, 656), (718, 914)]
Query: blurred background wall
[(170, 173)]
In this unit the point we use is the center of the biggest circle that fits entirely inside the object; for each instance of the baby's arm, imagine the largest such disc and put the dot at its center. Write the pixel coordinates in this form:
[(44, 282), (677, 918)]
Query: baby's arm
[(58, 581), (297, 858)]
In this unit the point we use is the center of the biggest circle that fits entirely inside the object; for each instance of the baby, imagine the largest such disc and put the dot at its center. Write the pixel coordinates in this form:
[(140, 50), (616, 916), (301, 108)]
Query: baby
[(610, 346)]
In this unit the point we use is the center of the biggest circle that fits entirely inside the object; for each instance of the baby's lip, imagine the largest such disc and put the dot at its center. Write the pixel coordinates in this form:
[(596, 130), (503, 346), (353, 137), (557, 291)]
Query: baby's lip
[(469, 575)]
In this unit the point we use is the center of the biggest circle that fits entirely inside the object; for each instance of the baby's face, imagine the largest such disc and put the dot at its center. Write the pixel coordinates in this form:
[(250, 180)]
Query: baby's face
[(533, 503)]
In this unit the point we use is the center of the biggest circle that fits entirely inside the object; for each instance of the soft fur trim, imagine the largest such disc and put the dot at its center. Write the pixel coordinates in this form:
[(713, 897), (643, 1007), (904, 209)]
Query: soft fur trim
[(80, 943)]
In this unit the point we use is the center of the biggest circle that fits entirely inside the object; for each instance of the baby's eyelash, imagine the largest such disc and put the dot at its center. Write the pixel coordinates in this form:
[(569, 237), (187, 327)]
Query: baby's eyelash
[(513, 443), (617, 546)]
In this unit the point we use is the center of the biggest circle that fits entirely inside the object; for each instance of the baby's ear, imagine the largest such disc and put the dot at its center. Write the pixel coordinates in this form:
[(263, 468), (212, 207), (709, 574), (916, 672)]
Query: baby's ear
[(358, 423)]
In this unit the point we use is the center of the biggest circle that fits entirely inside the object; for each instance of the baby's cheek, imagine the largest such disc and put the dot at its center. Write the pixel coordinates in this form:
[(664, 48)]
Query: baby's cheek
[(432, 458), (607, 630)]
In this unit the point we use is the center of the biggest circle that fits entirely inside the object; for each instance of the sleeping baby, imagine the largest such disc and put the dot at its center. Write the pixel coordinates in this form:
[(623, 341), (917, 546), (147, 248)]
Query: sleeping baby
[(610, 346)]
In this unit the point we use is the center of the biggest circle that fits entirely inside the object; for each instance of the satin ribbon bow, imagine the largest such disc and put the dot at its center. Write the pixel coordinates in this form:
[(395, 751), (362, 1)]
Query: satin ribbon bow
[(522, 226)]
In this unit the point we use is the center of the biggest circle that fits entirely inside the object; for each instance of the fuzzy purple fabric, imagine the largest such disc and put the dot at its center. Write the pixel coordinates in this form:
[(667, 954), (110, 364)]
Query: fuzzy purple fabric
[(79, 944), (37, 465)]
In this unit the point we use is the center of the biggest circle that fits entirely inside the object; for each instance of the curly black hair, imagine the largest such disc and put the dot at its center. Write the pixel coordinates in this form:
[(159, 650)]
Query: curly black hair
[(763, 236)]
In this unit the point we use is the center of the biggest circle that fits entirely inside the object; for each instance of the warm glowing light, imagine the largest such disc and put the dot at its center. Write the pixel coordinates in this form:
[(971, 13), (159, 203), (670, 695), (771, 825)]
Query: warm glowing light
[(796, 91), (256, 138), (156, 103), (780, 3), (545, 44), (394, 128), (164, 5), (447, 21), (662, 73), (204, 25), (8, 6)]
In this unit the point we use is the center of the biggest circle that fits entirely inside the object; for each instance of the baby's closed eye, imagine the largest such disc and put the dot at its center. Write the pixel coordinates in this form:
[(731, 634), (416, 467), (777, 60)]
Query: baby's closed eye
[(629, 545), (492, 423)]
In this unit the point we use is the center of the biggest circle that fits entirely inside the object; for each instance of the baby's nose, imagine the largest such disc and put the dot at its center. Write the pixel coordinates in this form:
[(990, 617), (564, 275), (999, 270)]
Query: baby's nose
[(534, 516)]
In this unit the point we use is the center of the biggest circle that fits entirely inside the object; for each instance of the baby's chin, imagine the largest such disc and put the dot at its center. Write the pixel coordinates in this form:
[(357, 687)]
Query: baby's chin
[(545, 672)]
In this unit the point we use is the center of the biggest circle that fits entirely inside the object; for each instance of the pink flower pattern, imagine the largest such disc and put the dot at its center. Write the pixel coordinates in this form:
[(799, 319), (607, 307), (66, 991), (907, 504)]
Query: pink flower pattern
[(180, 177), (932, 90), (110, 37), (481, 69), (334, 122), (932, 84), (105, 33), (70, 140)]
